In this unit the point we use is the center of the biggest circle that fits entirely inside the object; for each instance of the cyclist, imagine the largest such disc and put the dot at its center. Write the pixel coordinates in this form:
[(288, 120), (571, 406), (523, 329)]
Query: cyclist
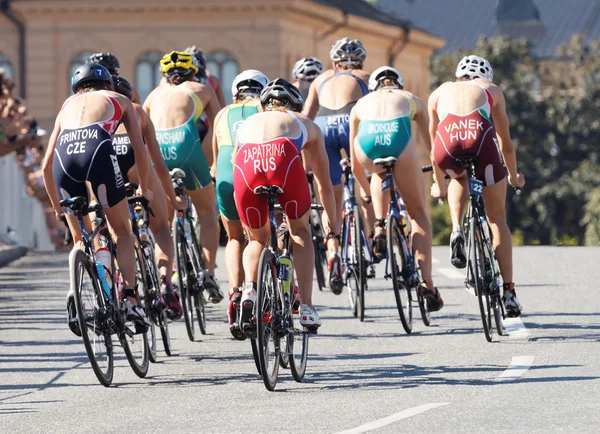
[(110, 62), (208, 77), (159, 180), (330, 98), (380, 126), (174, 109), (305, 71), (268, 154), (246, 90), (461, 115), (80, 152)]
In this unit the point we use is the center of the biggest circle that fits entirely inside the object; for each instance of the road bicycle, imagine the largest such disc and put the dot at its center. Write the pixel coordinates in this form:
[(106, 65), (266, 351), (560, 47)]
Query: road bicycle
[(400, 264), (190, 263), (276, 311), (483, 272), (99, 306), (318, 237), (356, 257), (146, 270)]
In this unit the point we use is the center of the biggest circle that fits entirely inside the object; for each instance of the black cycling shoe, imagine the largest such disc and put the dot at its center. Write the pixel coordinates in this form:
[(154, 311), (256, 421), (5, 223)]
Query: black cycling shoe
[(336, 282), (433, 298), (72, 319), (234, 315), (173, 310), (379, 249), (212, 287), (457, 249)]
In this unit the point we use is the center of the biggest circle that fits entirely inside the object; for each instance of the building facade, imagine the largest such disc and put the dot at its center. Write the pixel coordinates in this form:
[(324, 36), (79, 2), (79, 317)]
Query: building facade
[(269, 35)]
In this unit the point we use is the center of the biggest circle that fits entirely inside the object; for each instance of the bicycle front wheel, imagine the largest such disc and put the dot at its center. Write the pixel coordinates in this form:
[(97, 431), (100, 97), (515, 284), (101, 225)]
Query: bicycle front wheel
[(92, 312), (477, 269), (147, 297), (396, 247), (358, 262), (182, 260), (199, 300), (267, 310)]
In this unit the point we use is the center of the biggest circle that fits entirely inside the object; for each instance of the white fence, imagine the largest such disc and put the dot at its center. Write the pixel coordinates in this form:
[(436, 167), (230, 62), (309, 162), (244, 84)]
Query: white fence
[(20, 211)]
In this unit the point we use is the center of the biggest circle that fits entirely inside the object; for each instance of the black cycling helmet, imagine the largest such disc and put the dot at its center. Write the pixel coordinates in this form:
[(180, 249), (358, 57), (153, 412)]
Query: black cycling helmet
[(109, 61), (200, 58), (123, 86), (90, 73), (284, 92)]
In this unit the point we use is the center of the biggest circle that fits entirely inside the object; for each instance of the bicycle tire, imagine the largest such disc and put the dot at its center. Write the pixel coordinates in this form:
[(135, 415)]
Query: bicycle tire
[(199, 300), (181, 259), (163, 324), (402, 292), (318, 247), (255, 355), (495, 299), (135, 345), (349, 281), (267, 307), (298, 359), (359, 274), (147, 298), (478, 269), (99, 343)]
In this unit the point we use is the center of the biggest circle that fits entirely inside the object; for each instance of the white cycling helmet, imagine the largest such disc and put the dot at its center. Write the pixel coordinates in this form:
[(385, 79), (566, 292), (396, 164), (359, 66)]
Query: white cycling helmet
[(382, 73), (350, 51), (474, 66), (250, 79), (307, 68)]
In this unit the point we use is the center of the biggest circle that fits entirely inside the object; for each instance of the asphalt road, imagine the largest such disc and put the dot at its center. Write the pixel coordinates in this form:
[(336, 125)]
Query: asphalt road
[(361, 376)]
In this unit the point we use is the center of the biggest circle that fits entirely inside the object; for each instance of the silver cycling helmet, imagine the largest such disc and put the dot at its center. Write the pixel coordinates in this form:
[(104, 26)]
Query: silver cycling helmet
[(382, 73), (349, 51), (249, 80), (475, 66), (283, 91), (307, 68)]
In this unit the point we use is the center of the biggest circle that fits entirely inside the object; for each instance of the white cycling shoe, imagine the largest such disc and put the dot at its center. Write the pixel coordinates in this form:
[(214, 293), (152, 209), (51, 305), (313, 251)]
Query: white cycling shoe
[(309, 317)]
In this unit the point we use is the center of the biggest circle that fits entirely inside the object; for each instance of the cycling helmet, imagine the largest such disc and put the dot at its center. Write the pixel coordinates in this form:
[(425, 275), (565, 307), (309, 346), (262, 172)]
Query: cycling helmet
[(249, 80), (123, 86), (88, 73), (307, 68), (109, 61), (474, 66), (349, 51), (198, 54), (382, 73), (283, 91), (178, 62)]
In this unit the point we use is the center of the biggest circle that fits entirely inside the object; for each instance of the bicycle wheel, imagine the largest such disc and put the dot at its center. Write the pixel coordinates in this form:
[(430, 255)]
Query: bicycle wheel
[(255, 355), (358, 262), (425, 314), (199, 300), (92, 312), (135, 344), (182, 260), (163, 324), (267, 310), (477, 268), (319, 259), (297, 345), (492, 276), (396, 248), (147, 298)]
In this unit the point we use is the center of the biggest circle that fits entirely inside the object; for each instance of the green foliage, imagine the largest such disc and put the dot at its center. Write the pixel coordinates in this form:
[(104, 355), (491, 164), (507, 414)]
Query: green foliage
[(591, 219), (553, 106), (441, 223)]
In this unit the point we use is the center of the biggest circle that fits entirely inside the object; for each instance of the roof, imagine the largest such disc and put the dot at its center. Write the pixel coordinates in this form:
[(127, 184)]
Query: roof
[(463, 22), (363, 9)]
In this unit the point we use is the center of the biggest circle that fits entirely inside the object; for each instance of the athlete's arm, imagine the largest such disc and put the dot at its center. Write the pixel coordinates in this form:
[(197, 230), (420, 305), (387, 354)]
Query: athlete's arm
[(505, 143), (311, 105), (159, 163), (136, 97), (134, 131), (148, 102), (315, 148), (357, 168), (219, 91), (47, 169), (215, 143), (439, 188)]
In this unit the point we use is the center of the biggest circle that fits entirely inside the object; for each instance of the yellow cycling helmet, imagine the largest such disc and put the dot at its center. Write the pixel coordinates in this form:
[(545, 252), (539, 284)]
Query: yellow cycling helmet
[(181, 60)]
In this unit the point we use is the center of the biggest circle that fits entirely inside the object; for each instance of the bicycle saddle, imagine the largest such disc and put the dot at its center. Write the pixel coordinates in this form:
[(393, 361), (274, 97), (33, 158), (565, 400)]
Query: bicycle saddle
[(387, 162)]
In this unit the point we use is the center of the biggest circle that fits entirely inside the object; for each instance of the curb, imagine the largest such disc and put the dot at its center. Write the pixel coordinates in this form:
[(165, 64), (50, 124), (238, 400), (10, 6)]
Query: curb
[(11, 253)]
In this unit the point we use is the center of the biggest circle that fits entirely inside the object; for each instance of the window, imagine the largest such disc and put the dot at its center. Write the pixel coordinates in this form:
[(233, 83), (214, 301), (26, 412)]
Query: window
[(77, 61), (225, 67), (147, 73), (6, 65)]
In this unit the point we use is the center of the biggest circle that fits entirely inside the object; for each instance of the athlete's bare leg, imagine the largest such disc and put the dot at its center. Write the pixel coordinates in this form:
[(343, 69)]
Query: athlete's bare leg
[(494, 198), (233, 252), (304, 257), (258, 238), (204, 201), (458, 196)]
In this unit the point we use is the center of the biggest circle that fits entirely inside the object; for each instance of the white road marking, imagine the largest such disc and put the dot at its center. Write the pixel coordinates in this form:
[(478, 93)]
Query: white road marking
[(518, 366), (515, 328), (451, 273), (409, 412)]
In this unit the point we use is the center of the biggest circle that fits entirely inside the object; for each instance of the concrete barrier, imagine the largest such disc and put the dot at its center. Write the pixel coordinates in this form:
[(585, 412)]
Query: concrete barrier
[(11, 253)]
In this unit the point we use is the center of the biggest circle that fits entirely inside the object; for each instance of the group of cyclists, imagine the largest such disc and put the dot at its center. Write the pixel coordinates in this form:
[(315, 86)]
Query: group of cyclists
[(271, 135)]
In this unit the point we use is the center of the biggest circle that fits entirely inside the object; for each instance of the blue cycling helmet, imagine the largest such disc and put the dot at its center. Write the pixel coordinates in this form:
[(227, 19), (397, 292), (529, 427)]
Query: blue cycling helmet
[(90, 73)]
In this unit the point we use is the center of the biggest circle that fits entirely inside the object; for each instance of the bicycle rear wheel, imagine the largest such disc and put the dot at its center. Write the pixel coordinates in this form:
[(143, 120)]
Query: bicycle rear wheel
[(267, 310), (199, 300), (320, 259), (135, 344), (297, 345), (396, 248), (163, 325), (477, 269), (182, 260), (255, 355), (92, 312), (147, 297)]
